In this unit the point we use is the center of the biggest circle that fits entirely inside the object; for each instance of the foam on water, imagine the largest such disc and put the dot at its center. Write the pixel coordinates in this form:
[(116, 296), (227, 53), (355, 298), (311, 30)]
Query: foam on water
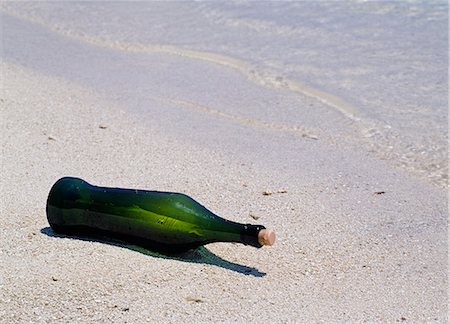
[(382, 66)]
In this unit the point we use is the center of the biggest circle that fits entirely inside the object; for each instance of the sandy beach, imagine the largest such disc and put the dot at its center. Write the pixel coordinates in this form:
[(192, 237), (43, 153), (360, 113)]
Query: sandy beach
[(361, 231)]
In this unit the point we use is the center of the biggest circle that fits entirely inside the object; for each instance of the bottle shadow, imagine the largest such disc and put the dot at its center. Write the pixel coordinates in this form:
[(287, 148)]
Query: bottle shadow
[(198, 255)]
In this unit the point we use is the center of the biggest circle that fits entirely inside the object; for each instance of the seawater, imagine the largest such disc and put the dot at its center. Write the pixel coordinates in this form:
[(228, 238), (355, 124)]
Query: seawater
[(382, 66)]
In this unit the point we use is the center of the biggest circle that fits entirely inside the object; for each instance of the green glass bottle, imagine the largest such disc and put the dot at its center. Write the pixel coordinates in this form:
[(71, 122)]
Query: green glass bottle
[(158, 220)]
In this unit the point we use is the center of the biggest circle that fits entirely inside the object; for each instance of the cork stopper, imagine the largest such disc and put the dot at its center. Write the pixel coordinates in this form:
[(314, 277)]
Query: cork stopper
[(266, 237)]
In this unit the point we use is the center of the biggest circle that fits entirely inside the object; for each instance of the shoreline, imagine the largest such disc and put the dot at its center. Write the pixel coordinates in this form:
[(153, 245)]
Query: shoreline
[(421, 156)]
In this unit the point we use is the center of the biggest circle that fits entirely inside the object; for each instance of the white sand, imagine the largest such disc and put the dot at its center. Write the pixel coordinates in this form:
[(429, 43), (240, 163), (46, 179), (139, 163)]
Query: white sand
[(344, 253)]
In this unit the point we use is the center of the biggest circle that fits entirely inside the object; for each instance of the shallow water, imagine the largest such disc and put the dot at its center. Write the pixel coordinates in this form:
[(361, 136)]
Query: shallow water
[(372, 73)]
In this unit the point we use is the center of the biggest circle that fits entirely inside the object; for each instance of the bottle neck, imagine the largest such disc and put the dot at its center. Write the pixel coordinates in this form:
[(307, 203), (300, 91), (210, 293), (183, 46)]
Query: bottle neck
[(249, 235)]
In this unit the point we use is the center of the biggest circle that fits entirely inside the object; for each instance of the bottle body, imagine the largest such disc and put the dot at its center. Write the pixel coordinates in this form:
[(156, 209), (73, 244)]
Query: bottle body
[(168, 221)]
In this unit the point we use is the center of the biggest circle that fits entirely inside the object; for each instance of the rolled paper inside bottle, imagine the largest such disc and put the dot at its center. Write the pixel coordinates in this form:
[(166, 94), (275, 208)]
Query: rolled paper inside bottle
[(266, 237)]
